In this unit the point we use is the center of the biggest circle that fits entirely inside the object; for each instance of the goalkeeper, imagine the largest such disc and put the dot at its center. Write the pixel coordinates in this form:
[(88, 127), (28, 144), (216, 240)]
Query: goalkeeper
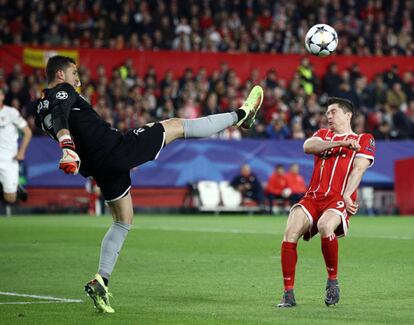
[(91, 147)]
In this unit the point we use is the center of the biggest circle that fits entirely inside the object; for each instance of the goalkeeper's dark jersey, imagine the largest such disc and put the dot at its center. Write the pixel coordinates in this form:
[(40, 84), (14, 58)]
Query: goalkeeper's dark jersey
[(62, 107)]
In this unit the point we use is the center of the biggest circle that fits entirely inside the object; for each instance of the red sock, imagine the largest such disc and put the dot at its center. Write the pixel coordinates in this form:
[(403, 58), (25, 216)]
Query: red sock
[(330, 254), (289, 257)]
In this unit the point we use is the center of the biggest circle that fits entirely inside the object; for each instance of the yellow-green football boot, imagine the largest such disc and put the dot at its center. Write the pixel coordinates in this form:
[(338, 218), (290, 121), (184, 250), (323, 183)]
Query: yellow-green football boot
[(251, 106), (98, 291)]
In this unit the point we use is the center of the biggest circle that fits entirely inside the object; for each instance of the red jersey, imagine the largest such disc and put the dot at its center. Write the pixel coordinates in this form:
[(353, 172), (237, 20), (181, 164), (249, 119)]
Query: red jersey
[(296, 183), (276, 184), (332, 167)]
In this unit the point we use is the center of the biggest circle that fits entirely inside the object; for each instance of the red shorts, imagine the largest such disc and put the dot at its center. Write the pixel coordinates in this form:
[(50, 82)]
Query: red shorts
[(315, 208)]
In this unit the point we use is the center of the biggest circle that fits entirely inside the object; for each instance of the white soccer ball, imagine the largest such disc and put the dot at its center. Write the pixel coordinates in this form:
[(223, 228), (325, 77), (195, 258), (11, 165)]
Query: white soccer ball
[(321, 40)]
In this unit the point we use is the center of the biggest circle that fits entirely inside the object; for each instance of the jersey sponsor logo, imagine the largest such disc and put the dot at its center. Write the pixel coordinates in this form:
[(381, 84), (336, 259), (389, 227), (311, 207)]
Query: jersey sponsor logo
[(43, 104), (61, 95)]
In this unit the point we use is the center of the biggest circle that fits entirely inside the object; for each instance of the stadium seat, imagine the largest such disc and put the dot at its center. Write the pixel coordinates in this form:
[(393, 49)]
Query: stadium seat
[(231, 198), (209, 194), (367, 199)]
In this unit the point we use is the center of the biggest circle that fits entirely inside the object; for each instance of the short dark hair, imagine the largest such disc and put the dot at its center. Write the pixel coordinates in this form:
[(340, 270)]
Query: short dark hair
[(343, 103), (56, 63)]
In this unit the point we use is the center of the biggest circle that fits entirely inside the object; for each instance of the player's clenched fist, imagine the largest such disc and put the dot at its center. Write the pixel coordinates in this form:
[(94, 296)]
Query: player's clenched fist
[(351, 144), (70, 161)]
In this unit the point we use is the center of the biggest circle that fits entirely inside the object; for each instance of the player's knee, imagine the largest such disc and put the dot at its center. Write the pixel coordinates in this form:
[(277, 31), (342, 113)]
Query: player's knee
[(174, 124), (10, 198), (292, 234), (324, 228), (173, 128)]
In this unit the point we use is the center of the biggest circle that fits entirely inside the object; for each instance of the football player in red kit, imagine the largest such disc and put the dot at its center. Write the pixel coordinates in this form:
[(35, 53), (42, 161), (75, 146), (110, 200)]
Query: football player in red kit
[(341, 159)]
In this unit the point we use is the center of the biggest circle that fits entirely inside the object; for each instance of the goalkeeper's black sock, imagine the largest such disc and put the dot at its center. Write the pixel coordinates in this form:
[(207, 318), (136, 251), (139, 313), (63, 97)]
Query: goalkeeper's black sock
[(240, 114), (21, 194)]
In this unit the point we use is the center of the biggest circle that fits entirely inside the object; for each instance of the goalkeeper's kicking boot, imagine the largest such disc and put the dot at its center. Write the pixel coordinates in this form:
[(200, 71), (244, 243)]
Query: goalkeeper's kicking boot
[(251, 106), (332, 292), (98, 291), (288, 299)]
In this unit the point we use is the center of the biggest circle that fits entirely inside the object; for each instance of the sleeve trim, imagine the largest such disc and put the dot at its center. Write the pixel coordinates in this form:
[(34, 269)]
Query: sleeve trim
[(362, 155), (318, 138)]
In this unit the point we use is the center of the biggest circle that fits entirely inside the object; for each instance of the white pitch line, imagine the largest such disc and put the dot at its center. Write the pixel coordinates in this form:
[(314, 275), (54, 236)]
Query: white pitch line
[(34, 302), (54, 299)]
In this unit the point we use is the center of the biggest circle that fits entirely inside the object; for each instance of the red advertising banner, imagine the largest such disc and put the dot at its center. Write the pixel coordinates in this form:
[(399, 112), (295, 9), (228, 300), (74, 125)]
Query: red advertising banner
[(177, 62), (404, 185)]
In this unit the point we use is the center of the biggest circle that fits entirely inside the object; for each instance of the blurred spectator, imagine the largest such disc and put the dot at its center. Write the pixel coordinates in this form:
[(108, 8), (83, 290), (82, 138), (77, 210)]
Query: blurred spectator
[(395, 96), (296, 183), (392, 76), (276, 188), (382, 132), (307, 77), (248, 185), (277, 129), (297, 130), (332, 80)]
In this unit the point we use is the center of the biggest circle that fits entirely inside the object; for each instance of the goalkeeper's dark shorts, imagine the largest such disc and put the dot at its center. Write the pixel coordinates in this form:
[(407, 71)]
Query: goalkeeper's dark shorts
[(136, 148)]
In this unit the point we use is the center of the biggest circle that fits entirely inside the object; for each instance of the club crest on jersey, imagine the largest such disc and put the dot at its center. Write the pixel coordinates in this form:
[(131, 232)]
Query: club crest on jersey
[(372, 142), (370, 149), (61, 95)]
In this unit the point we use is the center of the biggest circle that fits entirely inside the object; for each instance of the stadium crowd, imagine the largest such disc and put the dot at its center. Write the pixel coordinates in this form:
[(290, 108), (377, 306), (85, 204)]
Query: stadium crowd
[(376, 27), (291, 109)]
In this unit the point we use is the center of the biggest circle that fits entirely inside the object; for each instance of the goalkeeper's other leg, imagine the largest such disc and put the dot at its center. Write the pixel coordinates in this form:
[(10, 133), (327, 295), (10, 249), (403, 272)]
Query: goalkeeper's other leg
[(122, 213)]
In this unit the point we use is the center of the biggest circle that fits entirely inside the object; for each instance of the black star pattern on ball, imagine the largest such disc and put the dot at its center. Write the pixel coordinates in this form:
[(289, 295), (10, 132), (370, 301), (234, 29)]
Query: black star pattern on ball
[(324, 46)]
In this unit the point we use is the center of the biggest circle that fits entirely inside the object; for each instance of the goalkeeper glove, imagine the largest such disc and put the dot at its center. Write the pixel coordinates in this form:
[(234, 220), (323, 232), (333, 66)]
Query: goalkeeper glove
[(70, 161)]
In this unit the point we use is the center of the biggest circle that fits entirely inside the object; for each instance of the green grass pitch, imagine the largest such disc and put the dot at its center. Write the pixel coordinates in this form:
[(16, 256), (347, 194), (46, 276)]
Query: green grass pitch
[(203, 270)]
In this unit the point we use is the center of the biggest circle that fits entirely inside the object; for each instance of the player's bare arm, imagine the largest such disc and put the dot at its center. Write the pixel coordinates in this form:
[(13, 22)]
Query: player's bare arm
[(316, 145), (359, 167), (27, 135)]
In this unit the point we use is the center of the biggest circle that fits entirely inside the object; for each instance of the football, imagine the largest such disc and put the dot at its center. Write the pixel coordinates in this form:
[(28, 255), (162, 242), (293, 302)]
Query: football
[(321, 40)]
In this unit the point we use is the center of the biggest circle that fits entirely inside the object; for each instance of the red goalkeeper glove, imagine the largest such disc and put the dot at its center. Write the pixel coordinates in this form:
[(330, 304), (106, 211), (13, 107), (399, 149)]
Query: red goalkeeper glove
[(70, 161)]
